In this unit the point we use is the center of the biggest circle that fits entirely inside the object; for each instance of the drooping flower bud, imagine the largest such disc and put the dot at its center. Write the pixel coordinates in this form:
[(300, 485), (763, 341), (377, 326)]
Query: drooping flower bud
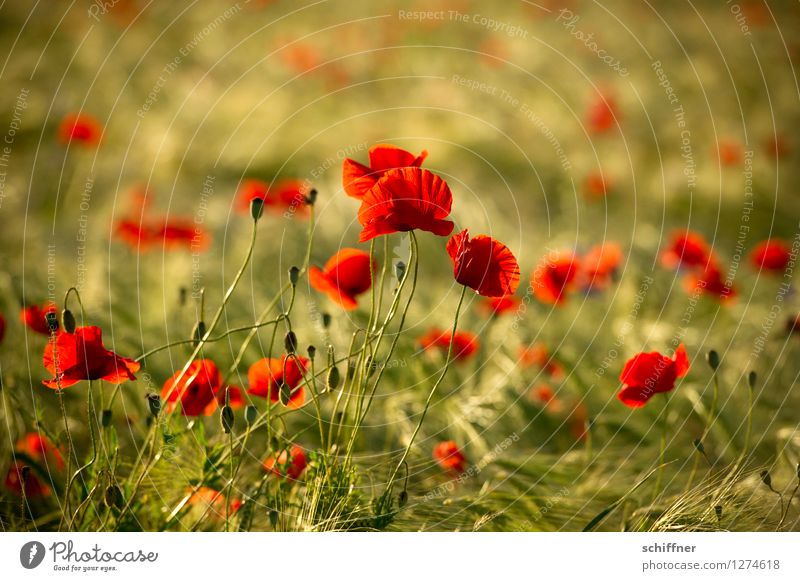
[(402, 498), (311, 198), (699, 445), (226, 418), (294, 275), (154, 404), (332, 379), (326, 320), (766, 478), (68, 320), (752, 377), (250, 414), (273, 517), (106, 417), (290, 342), (256, 208), (198, 332), (113, 496), (713, 359), (312, 351), (285, 394)]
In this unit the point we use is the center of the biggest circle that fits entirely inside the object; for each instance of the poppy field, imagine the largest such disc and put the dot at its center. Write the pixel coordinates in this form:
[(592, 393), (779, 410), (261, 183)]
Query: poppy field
[(399, 266)]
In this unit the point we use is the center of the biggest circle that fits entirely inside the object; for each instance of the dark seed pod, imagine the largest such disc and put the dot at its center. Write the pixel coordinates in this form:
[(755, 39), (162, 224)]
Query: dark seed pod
[(256, 208), (226, 419), (402, 499), (273, 517), (68, 320), (105, 418), (198, 332), (766, 478), (699, 445), (113, 496), (294, 275), (312, 351), (351, 370), (290, 342), (332, 379), (52, 321), (718, 510), (24, 473), (372, 366), (713, 359), (285, 394), (250, 414), (400, 269), (311, 198), (326, 320), (752, 377), (154, 404)]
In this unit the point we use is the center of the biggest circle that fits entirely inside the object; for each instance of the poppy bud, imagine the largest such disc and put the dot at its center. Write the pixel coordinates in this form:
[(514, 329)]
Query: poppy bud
[(718, 510), (198, 332), (256, 208), (699, 445), (294, 275), (24, 473), (402, 498), (326, 320), (273, 517), (250, 413), (351, 370), (274, 443), (154, 403), (113, 496), (182, 292), (226, 418), (68, 320), (400, 269), (312, 351), (106, 417), (713, 359), (766, 478), (752, 377), (290, 342), (52, 321), (371, 366), (311, 198), (285, 394), (332, 379)]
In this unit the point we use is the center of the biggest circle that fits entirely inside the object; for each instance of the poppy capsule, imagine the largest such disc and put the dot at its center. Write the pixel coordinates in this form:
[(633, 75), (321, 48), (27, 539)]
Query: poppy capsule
[(358, 179), (485, 265)]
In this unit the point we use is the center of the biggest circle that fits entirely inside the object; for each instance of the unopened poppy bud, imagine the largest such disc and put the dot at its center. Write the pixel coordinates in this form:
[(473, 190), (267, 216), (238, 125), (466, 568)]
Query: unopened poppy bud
[(290, 342), (311, 198), (699, 445), (250, 414), (312, 351), (402, 498), (718, 510), (273, 517), (713, 359), (226, 418), (274, 443), (294, 275), (256, 208), (752, 377), (106, 417), (113, 496), (766, 478), (68, 320), (332, 379), (198, 332), (24, 473), (182, 293), (326, 320), (351, 370), (400, 269), (52, 321), (371, 366), (285, 394), (154, 404)]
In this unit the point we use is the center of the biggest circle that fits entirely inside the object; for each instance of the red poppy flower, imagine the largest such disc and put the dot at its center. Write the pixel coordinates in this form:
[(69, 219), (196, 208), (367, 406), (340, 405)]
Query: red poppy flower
[(34, 487), (538, 355), (268, 376), (483, 264), (35, 317), (497, 306), (236, 397), (554, 277), (687, 249), (213, 502), (80, 128), (464, 346), (288, 465), (709, 281), (777, 146), (647, 374), (288, 195), (599, 265), (602, 114), (773, 255), (449, 457), (38, 449), (197, 390), (346, 275), (597, 186), (406, 199), (358, 179), (82, 356), (729, 152), (545, 396)]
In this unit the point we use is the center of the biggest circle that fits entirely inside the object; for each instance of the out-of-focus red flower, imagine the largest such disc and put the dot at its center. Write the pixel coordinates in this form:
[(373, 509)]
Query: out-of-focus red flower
[(289, 464), (647, 374), (602, 114), (465, 343), (80, 356), (80, 128), (38, 449), (35, 317), (500, 305), (538, 355), (599, 265), (236, 397), (346, 275), (729, 152), (544, 395), (358, 179), (777, 146), (597, 185), (449, 457), (406, 199), (578, 422), (554, 277), (34, 487), (687, 249), (196, 391), (213, 502), (793, 324), (709, 281), (267, 376), (483, 264), (773, 255), (300, 57), (285, 196), (179, 232)]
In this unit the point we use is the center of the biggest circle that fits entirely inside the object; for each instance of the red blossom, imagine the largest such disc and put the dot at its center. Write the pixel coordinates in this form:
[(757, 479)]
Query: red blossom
[(729, 152), (772, 255), (267, 376), (602, 114), (465, 344), (79, 356), (196, 390), (213, 502), (38, 449), (709, 281), (555, 277), (687, 249), (449, 457), (35, 317), (80, 128), (647, 374), (289, 464), (483, 264), (358, 179), (346, 275), (285, 196), (538, 355), (597, 185), (599, 265), (406, 199), (500, 305)]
